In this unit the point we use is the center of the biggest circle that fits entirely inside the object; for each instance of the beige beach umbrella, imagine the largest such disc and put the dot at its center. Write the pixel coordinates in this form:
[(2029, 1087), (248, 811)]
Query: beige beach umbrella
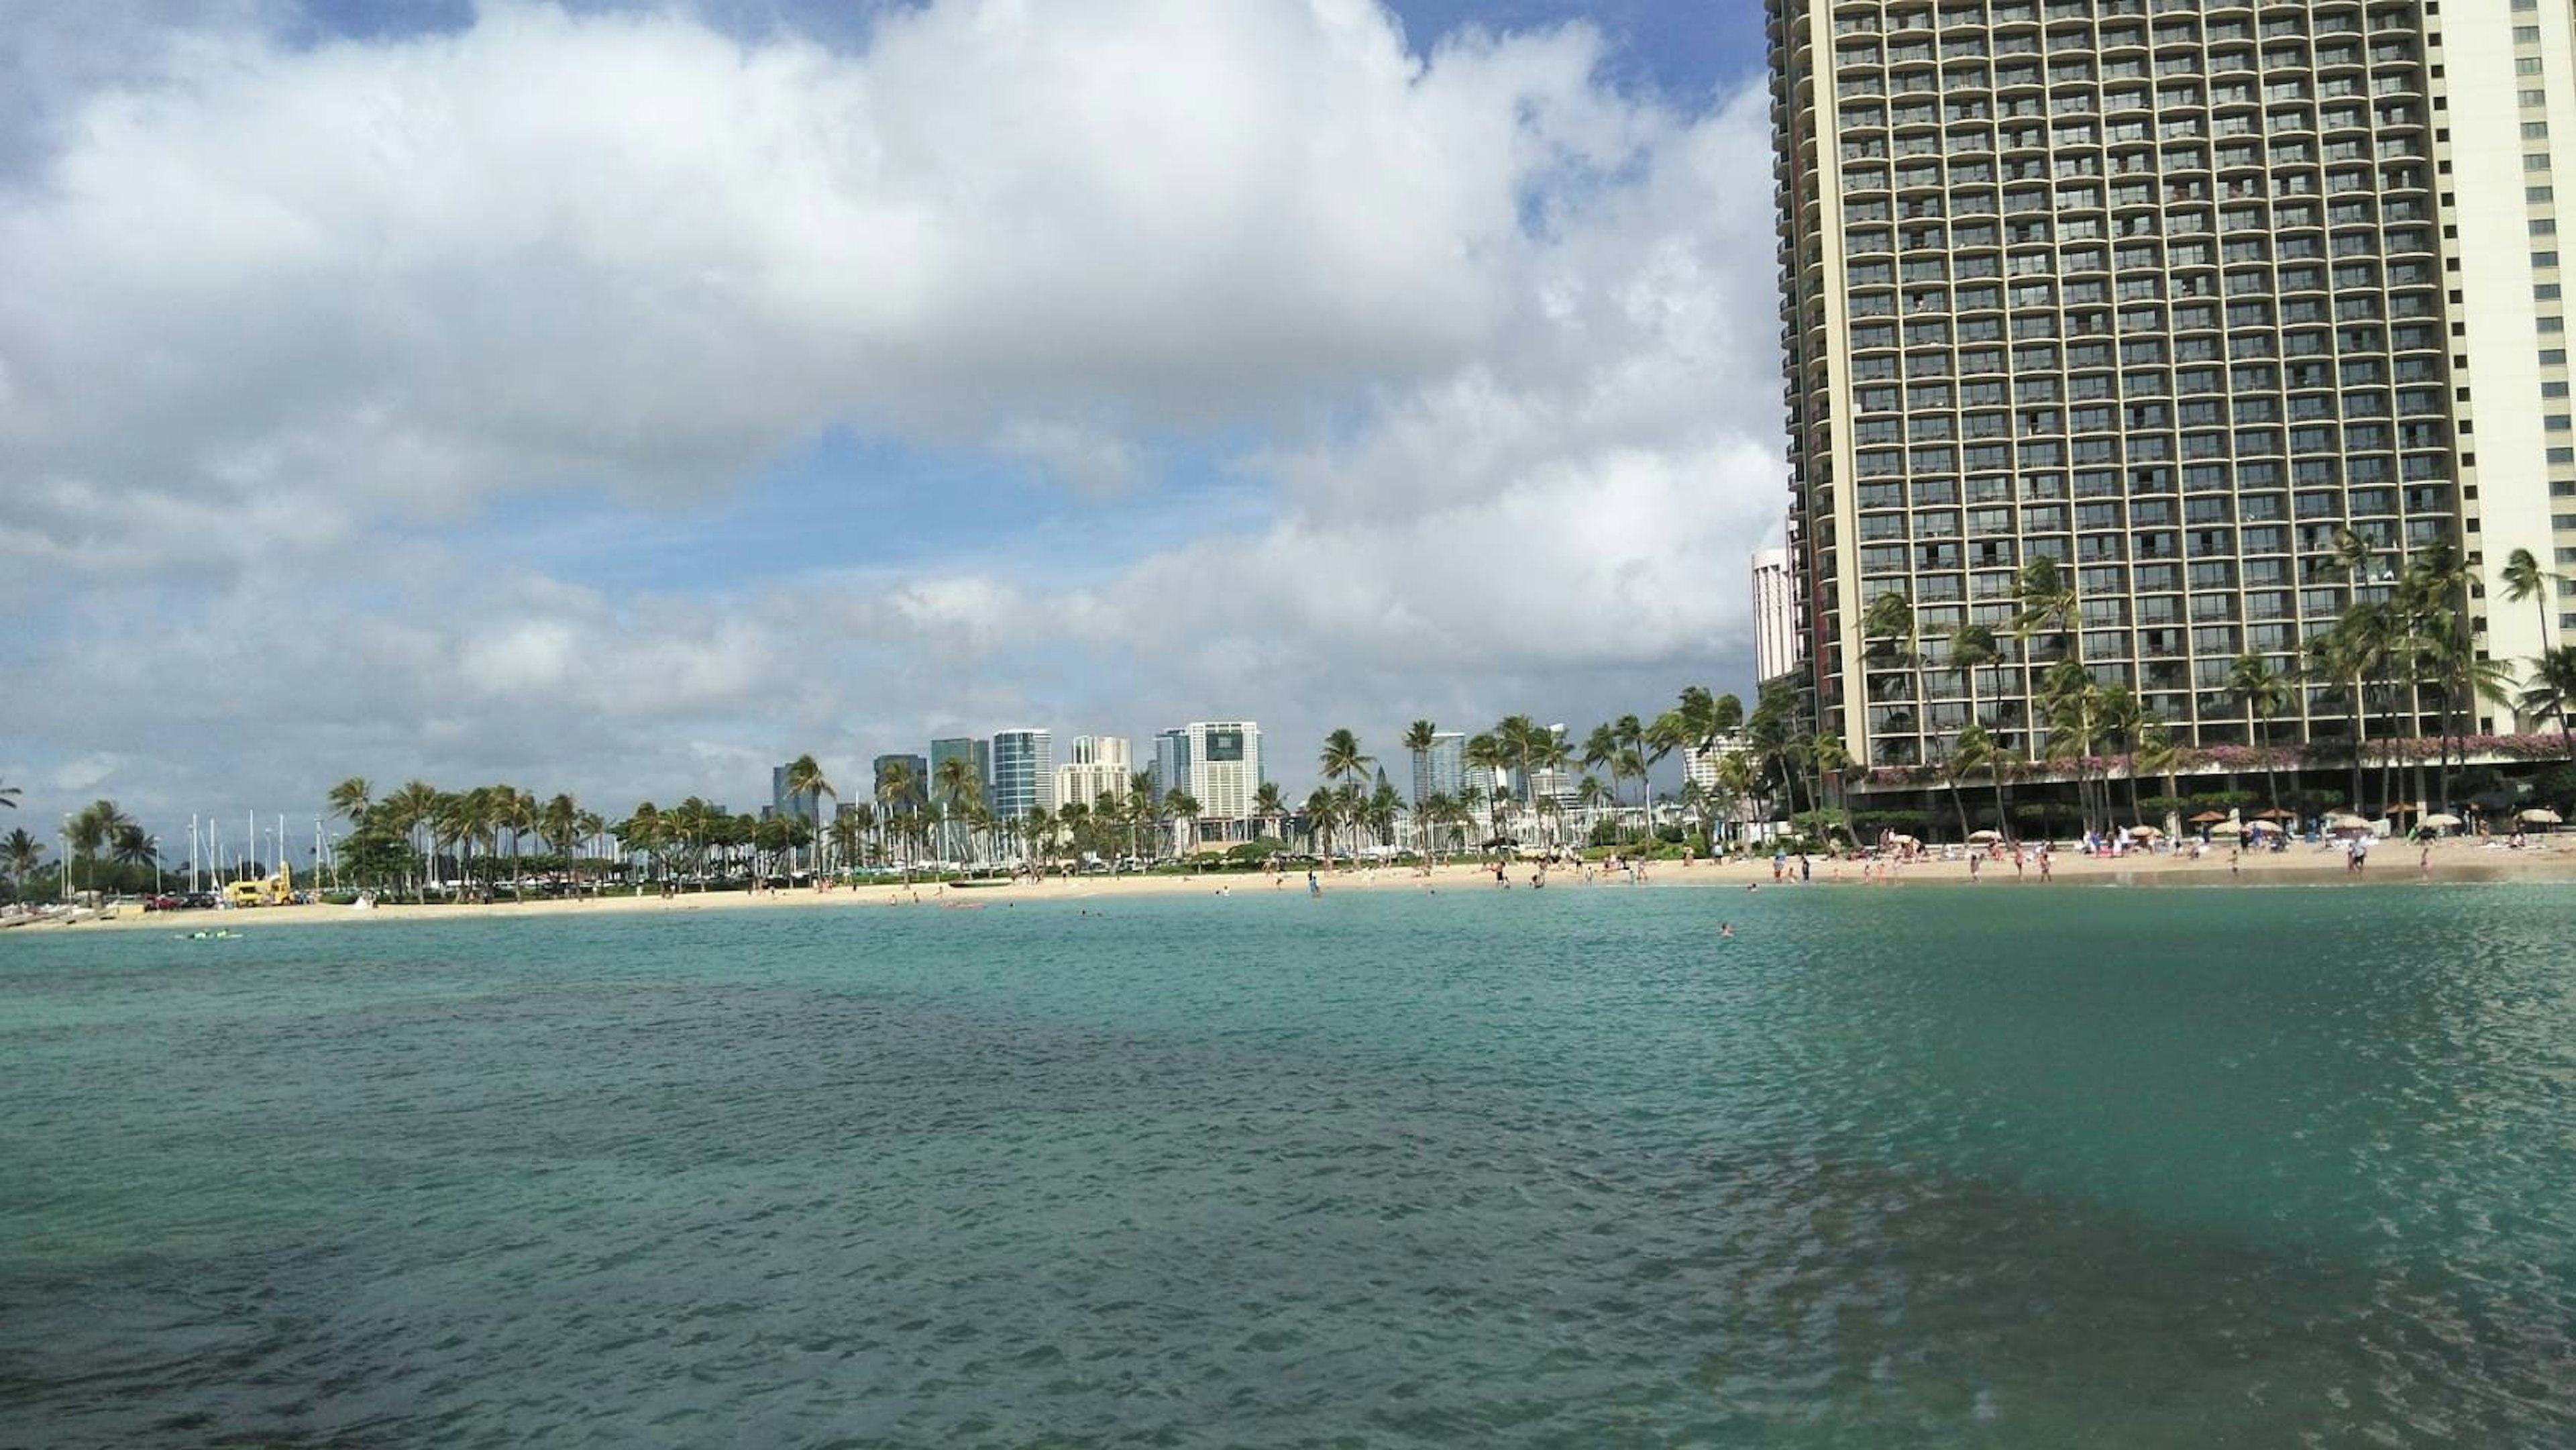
[(2143, 832), (2227, 828), (2347, 822), (2444, 821), (2263, 828), (2539, 816), (1982, 837)]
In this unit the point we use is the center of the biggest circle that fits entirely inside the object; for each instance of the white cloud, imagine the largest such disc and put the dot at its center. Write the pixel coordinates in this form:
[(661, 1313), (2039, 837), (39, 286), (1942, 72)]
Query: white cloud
[(1504, 337)]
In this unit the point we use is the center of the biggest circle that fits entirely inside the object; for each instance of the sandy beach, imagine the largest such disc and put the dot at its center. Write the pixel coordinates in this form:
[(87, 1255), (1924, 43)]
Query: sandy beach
[(2546, 859)]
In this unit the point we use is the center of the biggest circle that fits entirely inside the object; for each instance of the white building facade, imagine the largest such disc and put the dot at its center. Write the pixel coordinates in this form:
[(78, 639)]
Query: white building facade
[(1094, 766), (1775, 614), (1223, 771)]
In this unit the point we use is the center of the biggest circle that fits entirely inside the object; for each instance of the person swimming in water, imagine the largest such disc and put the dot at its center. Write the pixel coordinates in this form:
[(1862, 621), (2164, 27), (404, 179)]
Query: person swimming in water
[(1726, 929)]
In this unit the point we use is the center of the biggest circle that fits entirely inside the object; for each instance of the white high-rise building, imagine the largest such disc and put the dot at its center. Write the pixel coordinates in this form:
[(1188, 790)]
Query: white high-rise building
[(1775, 614), (2508, 72), (1095, 765), (1223, 762)]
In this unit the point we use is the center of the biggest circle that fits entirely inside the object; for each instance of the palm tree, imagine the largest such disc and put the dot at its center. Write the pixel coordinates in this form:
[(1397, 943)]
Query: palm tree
[(1630, 732), (97, 827), (805, 779), (1973, 647), (1521, 739), (1419, 737), (405, 813), (850, 831), (1342, 760), (515, 811), (351, 797), (1736, 781), (644, 833), (2264, 692), (958, 784), (9, 796), (1889, 628), (2550, 689), (1966, 756), (1825, 753), (1322, 813), (2153, 752), (1268, 807), (20, 855), (131, 847), (2357, 650), (1601, 748), (2525, 579), (1591, 794), (1551, 754), (1484, 751), (1140, 807), (1178, 807), (559, 826)]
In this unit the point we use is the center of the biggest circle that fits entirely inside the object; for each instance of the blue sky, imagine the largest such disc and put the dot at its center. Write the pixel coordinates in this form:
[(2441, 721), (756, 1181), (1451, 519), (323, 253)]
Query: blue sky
[(617, 399)]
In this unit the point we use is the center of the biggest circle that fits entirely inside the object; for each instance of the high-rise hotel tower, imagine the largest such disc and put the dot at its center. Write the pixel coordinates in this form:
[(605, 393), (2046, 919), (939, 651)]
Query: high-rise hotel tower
[(2170, 292)]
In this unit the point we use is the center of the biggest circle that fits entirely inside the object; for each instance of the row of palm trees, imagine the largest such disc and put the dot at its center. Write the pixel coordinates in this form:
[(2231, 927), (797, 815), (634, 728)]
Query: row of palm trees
[(109, 849), (1510, 759), (2401, 642)]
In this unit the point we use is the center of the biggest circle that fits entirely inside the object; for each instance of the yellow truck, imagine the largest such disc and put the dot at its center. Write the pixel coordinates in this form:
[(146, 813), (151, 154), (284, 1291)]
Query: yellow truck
[(277, 890)]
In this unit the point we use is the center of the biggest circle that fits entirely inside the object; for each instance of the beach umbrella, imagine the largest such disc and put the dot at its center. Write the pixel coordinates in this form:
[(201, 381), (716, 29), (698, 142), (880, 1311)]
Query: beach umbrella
[(2539, 816), (2403, 808), (2442, 820), (2142, 832), (2227, 828), (2264, 828), (1982, 837), (2272, 813), (2207, 817), (2347, 822)]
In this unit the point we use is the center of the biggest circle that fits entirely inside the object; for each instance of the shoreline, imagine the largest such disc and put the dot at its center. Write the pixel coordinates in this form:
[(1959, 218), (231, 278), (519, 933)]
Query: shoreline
[(2547, 861)]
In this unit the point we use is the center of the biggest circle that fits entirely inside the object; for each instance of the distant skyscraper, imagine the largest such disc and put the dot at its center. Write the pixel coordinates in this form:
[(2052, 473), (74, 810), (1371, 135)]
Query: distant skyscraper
[(1223, 762), (915, 766), (1023, 773), (1441, 770), (1171, 761), (1094, 766), (1775, 615), (806, 805), (978, 754)]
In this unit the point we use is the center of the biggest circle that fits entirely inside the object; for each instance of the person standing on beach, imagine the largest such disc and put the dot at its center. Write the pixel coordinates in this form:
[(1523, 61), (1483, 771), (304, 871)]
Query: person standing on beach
[(2424, 861), (1975, 861), (1779, 865), (2043, 861)]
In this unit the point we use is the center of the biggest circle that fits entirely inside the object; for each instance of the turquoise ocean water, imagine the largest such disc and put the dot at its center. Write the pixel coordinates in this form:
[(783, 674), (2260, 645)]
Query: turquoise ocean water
[(1915, 1167)]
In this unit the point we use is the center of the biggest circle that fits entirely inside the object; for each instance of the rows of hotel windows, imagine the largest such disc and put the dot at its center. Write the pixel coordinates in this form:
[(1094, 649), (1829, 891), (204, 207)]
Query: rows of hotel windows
[(2278, 365)]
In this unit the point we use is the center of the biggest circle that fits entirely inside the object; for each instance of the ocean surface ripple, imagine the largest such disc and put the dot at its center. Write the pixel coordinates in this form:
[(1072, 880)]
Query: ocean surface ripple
[(1921, 1167)]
